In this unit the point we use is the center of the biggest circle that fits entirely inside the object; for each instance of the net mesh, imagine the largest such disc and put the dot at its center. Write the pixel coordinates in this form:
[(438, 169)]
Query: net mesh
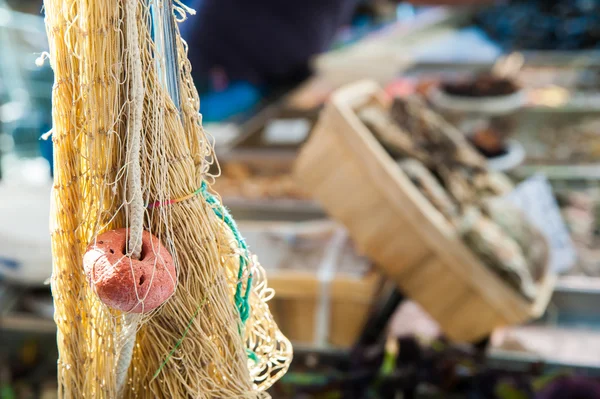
[(197, 344)]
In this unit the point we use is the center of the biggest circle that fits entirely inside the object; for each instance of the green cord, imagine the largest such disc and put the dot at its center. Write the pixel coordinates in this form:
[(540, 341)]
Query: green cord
[(241, 301)]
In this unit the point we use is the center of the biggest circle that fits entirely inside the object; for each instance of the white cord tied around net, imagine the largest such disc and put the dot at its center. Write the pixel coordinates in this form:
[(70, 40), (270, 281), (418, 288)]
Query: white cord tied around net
[(134, 182)]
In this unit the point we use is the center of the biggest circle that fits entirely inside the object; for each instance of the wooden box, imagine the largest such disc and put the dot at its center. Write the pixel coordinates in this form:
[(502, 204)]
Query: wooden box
[(346, 169), (323, 288)]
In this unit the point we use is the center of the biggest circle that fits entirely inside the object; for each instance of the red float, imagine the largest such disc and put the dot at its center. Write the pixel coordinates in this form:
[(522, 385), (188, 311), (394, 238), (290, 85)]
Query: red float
[(127, 284)]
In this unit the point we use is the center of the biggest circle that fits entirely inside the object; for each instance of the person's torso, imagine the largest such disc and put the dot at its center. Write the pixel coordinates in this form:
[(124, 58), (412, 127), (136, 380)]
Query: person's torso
[(260, 40)]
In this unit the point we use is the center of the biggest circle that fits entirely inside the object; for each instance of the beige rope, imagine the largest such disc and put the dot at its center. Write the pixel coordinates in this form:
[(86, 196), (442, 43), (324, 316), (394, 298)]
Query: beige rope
[(134, 178), (126, 351), (134, 133)]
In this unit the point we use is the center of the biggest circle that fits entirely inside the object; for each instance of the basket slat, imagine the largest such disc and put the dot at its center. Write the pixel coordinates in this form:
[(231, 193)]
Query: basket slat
[(471, 319)]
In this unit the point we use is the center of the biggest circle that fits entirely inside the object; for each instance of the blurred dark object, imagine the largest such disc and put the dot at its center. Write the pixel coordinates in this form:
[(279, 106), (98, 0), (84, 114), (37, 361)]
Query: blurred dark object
[(266, 42), (544, 25), (485, 85), (383, 368), (452, 2), (491, 138), (380, 314), (489, 142), (27, 6), (416, 370), (41, 80), (485, 106), (410, 369), (571, 387)]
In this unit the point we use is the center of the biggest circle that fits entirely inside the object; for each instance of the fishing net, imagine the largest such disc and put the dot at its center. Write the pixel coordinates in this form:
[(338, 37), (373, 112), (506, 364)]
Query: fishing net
[(130, 154)]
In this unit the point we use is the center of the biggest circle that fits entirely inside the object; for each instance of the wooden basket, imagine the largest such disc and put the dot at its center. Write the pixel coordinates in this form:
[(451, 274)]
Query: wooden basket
[(313, 308), (346, 169)]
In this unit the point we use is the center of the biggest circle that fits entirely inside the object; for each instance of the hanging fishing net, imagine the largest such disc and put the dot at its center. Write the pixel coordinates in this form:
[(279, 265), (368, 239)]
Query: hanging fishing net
[(156, 294)]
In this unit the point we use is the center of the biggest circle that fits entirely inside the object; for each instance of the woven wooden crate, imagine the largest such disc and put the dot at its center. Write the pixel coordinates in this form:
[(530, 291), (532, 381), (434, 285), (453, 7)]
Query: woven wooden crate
[(301, 293), (346, 169)]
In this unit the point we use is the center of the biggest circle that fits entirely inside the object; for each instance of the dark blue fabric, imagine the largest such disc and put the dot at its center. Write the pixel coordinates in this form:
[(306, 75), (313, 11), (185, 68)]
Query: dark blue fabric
[(261, 41)]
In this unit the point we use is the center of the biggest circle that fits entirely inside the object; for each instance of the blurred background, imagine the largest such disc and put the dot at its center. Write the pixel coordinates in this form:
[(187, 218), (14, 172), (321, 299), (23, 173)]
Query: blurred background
[(520, 81)]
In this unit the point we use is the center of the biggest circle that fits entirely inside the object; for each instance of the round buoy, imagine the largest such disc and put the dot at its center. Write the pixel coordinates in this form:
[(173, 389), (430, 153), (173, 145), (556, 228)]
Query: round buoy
[(127, 284)]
